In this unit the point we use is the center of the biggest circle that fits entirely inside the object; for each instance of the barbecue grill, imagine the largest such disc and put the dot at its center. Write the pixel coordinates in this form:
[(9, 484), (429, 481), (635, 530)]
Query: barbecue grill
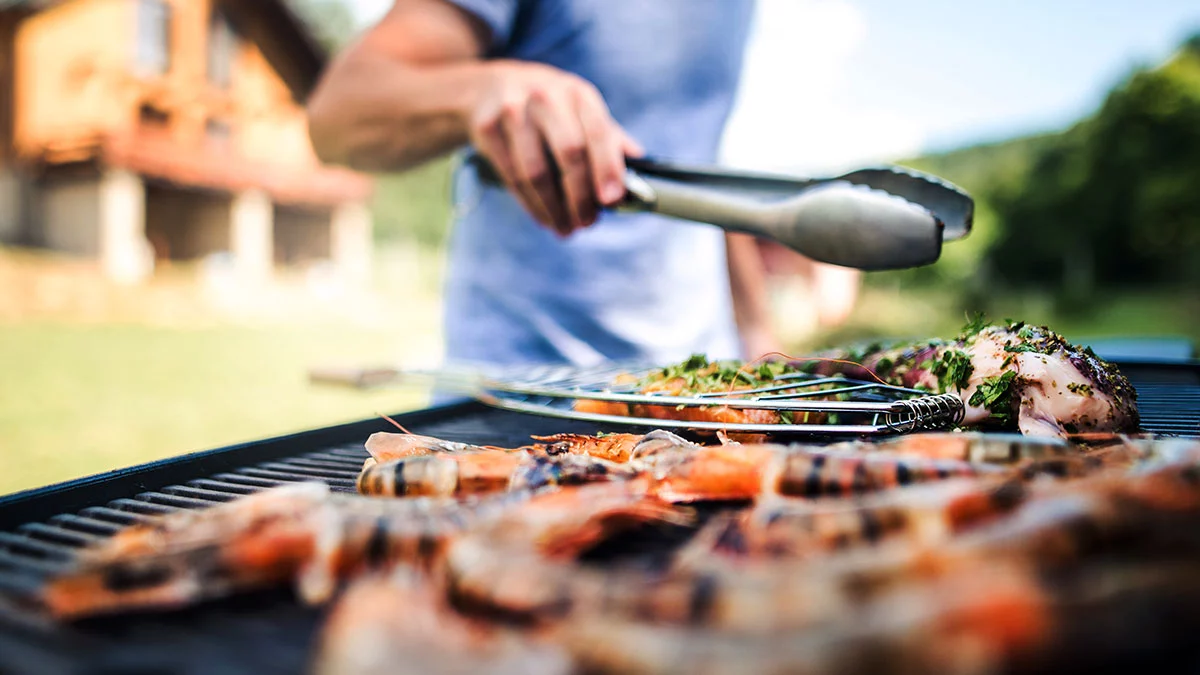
[(270, 632)]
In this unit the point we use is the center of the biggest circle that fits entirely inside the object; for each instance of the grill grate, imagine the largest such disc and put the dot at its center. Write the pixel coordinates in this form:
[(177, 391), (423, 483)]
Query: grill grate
[(270, 632), (1168, 398)]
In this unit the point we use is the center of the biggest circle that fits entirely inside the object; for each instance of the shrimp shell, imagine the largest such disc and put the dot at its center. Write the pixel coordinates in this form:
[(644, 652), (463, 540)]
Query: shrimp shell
[(399, 622)]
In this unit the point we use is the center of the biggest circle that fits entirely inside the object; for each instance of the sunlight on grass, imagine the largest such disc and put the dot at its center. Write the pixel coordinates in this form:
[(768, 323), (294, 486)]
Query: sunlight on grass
[(81, 399)]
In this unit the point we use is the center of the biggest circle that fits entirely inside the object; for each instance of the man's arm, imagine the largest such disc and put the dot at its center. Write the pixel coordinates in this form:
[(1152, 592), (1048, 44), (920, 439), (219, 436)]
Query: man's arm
[(415, 86), (751, 308)]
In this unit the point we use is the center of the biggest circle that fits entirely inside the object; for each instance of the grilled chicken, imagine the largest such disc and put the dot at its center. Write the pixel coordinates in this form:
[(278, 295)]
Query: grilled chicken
[(1008, 375)]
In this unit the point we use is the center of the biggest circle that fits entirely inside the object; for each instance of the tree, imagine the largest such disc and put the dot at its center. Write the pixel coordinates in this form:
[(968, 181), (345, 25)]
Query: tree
[(1114, 200)]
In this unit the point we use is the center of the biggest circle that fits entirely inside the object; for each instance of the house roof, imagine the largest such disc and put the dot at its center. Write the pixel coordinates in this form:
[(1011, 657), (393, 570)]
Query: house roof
[(271, 24), (284, 39)]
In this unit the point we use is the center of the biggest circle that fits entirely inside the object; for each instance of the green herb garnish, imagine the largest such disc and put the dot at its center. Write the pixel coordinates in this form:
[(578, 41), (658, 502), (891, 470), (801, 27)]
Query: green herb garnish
[(1017, 349), (953, 369), (976, 323), (1080, 388), (996, 394)]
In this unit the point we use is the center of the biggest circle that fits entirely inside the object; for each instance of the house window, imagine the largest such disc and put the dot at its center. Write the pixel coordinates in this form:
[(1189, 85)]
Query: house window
[(222, 44), (153, 55), (153, 118)]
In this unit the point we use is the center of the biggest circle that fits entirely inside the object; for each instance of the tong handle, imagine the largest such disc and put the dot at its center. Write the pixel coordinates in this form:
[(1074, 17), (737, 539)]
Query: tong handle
[(693, 200), (951, 205)]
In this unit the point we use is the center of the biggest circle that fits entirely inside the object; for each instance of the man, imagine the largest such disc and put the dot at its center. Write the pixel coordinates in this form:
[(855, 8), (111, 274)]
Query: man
[(569, 88)]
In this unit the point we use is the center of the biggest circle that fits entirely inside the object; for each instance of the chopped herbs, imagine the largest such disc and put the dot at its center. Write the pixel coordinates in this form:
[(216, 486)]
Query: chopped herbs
[(1080, 388), (996, 394), (1021, 348), (976, 323), (953, 369), (699, 375), (769, 370)]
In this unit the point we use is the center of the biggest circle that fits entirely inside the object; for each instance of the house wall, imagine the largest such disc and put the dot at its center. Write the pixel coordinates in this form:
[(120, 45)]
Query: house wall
[(78, 99), (72, 70), (75, 80)]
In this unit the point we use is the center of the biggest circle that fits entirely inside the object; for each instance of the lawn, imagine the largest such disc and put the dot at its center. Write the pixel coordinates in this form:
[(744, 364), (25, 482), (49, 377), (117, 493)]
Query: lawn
[(78, 399)]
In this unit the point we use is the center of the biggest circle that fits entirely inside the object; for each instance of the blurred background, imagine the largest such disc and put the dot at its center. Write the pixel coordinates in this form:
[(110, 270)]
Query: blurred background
[(173, 259)]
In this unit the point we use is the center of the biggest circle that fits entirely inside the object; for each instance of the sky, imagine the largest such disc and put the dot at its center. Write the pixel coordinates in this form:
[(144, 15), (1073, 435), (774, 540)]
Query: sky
[(830, 85)]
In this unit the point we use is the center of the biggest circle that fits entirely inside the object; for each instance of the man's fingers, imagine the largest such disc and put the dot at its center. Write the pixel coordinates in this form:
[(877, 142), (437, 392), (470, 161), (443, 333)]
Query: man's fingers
[(568, 145), (534, 176), (606, 155), (491, 140)]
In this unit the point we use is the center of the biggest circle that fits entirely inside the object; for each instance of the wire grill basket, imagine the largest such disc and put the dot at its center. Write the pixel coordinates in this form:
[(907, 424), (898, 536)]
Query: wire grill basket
[(847, 406)]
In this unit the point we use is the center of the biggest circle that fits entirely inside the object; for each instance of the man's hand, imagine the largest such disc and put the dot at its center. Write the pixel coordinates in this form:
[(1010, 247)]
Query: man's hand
[(416, 86), (552, 139)]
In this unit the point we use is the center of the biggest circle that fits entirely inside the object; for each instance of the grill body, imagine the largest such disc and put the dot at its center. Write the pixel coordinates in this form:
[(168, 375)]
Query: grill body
[(270, 632)]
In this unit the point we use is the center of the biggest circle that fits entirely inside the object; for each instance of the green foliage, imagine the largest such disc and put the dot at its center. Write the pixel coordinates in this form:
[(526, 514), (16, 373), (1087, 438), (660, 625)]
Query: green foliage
[(1114, 200), (985, 171), (414, 205), (331, 21), (1111, 201)]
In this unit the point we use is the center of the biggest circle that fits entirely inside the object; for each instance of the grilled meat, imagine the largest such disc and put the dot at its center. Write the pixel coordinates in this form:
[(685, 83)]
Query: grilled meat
[(1013, 375)]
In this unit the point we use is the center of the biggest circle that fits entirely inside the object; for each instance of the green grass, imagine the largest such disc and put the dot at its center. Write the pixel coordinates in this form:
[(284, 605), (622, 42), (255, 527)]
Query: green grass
[(81, 399)]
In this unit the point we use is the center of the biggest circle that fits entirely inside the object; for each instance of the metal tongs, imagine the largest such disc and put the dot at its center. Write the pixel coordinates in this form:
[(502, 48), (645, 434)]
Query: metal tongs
[(881, 218)]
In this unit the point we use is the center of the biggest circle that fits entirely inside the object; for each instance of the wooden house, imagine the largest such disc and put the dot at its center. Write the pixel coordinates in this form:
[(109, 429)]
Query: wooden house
[(143, 131)]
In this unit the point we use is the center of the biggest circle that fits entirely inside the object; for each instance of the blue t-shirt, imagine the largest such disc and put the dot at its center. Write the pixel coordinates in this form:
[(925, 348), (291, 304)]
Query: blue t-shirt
[(634, 285)]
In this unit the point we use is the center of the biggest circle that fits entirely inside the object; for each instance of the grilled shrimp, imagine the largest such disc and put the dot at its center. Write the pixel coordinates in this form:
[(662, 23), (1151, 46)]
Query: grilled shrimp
[(399, 622), (800, 528), (612, 447), (440, 475), (952, 626), (744, 472), (298, 533), (1059, 525), (1055, 528), (1015, 621), (923, 513), (538, 470), (970, 446), (385, 446), (518, 562), (485, 471)]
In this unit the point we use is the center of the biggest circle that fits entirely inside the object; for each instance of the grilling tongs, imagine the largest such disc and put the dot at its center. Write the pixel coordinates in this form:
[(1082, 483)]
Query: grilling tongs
[(881, 218)]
